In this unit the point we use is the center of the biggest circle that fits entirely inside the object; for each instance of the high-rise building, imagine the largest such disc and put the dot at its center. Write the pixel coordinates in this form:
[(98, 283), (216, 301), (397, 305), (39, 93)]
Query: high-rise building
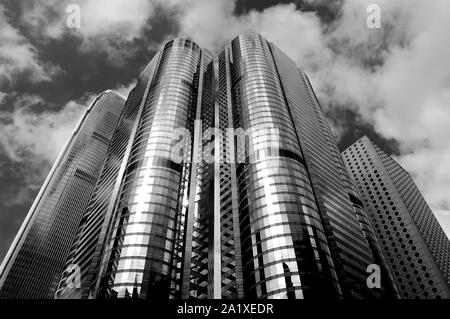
[(300, 233), (128, 243), (82, 260), (142, 249), (352, 244), (34, 262), (222, 180), (415, 247)]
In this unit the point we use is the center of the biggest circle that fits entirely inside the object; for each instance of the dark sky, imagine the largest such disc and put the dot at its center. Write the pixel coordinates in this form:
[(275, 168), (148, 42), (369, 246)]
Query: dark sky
[(83, 72)]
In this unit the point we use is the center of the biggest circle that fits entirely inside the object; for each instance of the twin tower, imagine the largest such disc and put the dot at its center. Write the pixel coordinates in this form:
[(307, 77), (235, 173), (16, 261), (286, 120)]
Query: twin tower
[(119, 217)]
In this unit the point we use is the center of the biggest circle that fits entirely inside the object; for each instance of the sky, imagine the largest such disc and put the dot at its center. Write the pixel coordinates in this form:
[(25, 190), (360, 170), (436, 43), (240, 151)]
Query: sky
[(391, 83)]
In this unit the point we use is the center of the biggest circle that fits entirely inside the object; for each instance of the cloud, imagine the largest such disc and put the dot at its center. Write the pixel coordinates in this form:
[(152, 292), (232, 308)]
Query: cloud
[(19, 56), (27, 134), (209, 23), (110, 27), (30, 141), (125, 89), (409, 90), (2, 96), (281, 23), (23, 193)]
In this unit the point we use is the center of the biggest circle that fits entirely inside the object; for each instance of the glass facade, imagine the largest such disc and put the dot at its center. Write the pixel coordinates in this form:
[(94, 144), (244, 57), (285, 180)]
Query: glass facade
[(414, 245), (138, 255), (344, 222), (36, 259), (258, 204), (285, 253), (89, 241)]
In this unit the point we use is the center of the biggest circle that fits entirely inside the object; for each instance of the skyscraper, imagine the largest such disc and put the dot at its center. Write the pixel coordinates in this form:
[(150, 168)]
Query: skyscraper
[(415, 246), (222, 180), (85, 250), (352, 244), (32, 267), (140, 255)]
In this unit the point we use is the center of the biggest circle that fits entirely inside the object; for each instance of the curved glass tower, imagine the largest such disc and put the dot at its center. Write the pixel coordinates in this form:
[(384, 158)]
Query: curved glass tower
[(139, 248), (285, 253), (351, 245), (88, 244)]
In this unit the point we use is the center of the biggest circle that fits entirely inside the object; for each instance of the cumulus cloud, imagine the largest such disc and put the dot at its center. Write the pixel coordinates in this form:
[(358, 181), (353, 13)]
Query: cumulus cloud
[(31, 139), (409, 89), (30, 182), (110, 27), (125, 89), (2, 96), (281, 24), (27, 134), (19, 56)]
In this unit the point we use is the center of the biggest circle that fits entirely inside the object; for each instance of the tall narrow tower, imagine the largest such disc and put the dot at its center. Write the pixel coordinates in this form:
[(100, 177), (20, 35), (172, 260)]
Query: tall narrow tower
[(82, 263), (283, 245), (414, 245), (144, 242), (32, 267), (303, 231)]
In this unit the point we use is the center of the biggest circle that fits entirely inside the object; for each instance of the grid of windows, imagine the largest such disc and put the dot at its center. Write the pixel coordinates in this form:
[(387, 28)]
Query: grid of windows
[(394, 205)]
